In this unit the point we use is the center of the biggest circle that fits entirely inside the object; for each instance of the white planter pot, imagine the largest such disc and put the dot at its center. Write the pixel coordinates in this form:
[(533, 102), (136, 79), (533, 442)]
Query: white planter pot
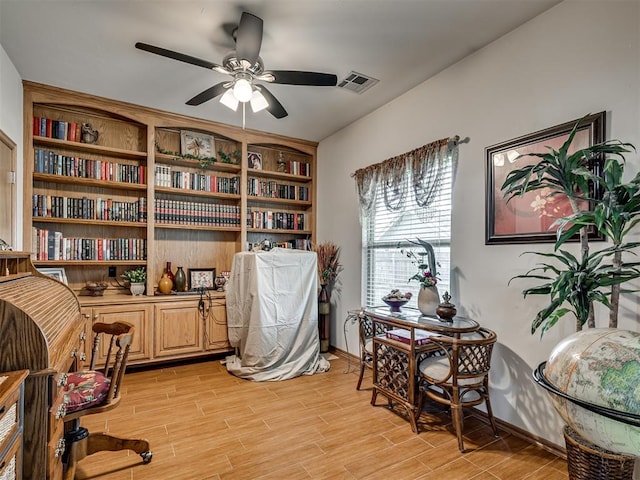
[(137, 289)]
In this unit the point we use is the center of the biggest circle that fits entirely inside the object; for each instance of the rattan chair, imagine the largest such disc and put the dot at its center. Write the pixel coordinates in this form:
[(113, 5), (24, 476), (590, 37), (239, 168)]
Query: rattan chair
[(366, 334), (459, 377), (95, 391)]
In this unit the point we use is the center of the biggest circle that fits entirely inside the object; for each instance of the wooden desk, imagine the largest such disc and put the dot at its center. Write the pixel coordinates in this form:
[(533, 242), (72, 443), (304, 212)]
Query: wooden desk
[(395, 363)]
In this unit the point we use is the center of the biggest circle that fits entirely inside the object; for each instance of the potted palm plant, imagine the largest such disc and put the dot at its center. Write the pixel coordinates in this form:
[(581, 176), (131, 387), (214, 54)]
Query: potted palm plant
[(574, 283), (137, 279)]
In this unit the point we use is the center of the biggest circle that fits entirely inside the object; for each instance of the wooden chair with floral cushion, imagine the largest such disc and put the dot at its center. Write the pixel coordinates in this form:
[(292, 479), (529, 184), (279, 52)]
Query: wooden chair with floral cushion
[(97, 390), (459, 377)]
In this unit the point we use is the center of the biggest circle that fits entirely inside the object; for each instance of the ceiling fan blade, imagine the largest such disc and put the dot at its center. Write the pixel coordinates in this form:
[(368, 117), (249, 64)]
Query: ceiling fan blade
[(249, 38), (163, 52), (208, 94), (293, 77), (275, 108)]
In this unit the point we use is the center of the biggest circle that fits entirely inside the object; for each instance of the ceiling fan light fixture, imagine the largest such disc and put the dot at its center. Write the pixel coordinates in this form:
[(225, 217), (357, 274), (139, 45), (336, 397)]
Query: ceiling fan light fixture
[(258, 102), (229, 100), (242, 90)]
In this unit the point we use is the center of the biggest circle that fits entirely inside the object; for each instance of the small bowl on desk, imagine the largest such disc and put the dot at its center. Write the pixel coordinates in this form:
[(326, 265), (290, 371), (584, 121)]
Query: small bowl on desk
[(96, 289), (395, 304)]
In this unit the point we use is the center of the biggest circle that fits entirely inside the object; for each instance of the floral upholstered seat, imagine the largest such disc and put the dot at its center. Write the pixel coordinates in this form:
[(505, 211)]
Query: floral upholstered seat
[(84, 390)]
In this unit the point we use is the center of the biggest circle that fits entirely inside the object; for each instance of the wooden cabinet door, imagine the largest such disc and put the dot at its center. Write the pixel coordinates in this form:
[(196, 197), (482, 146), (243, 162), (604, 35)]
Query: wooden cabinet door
[(178, 329), (217, 335), (137, 315)]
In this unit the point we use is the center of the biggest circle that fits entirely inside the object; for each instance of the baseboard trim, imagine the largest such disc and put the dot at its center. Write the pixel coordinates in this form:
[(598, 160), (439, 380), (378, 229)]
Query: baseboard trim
[(543, 443)]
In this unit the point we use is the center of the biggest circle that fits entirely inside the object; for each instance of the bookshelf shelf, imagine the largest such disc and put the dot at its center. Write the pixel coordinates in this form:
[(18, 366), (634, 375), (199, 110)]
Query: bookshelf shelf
[(89, 148), (280, 230), (254, 199), (197, 193), (189, 163), (212, 228), (81, 221), (88, 182), (279, 175)]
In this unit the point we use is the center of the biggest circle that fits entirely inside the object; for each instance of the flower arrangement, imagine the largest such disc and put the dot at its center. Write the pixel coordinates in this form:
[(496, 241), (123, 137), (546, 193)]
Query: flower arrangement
[(328, 262), (427, 274)]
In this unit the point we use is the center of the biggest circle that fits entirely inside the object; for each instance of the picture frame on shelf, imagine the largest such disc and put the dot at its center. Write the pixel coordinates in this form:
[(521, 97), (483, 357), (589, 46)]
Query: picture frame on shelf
[(529, 218), (254, 160), (201, 278), (57, 273), (197, 144)]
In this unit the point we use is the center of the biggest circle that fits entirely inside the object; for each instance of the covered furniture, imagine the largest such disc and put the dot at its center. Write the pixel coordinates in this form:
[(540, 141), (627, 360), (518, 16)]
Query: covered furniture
[(98, 390), (272, 315), (459, 376)]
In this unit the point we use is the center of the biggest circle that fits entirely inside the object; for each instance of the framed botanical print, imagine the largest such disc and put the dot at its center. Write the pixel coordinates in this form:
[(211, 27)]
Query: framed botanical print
[(529, 218)]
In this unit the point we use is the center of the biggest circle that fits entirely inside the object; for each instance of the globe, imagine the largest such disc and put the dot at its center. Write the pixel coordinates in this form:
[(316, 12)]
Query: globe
[(598, 368)]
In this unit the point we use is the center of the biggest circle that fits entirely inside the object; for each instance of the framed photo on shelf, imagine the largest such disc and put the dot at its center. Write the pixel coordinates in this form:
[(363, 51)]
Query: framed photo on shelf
[(57, 273), (255, 160), (201, 278), (529, 218), (197, 144)]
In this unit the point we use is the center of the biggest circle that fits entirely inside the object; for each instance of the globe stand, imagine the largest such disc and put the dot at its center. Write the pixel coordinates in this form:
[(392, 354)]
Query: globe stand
[(586, 461)]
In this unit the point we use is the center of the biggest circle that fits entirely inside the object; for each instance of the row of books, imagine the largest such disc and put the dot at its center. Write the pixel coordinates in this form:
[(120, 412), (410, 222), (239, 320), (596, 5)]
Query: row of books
[(164, 176), (53, 206), (297, 168), (47, 161), (178, 212), (296, 243), (273, 189), (47, 127), (276, 220), (52, 245)]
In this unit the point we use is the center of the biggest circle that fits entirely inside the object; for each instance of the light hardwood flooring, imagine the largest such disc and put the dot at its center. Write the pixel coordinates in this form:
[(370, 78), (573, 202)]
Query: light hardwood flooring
[(204, 423)]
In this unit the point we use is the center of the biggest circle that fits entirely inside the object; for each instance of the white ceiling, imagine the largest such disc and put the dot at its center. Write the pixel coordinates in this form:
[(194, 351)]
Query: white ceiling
[(88, 46)]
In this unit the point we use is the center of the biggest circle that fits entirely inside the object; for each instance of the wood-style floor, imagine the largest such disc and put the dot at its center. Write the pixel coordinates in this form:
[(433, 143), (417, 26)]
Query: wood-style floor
[(204, 423)]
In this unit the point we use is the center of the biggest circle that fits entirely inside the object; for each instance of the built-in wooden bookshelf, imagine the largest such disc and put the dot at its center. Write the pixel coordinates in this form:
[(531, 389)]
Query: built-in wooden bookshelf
[(135, 197)]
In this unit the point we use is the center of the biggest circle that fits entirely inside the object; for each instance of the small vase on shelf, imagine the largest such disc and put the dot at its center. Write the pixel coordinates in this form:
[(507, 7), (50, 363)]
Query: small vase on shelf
[(428, 300), (169, 273), (165, 284), (180, 280)]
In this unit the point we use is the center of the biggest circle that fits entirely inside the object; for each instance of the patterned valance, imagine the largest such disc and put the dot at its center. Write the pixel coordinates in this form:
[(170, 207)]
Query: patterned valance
[(423, 168)]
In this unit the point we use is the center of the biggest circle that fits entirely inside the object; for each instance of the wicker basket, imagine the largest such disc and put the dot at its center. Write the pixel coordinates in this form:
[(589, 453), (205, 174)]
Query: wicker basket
[(590, 462)]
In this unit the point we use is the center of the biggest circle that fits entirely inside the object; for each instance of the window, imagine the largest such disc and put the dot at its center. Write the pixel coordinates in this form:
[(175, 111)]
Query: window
[(385, 232)]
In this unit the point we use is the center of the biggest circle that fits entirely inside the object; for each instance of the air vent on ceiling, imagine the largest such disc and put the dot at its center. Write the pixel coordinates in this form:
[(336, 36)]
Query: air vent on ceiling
[(357, 82)]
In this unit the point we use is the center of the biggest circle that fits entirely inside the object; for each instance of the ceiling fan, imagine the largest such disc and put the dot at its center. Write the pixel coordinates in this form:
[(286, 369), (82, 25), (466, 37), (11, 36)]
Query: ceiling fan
[(246, 69)]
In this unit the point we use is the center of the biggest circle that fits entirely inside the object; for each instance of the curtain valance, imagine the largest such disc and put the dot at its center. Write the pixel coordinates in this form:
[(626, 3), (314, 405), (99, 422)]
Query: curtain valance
[(421, 169)]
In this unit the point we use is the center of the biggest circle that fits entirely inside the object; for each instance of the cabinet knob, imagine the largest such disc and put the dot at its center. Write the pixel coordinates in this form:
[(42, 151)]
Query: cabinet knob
[(86, 315), (83, 356), (74, 354), (83, 336), (59, 448), (95, 317), (62, 411), (62, 380)]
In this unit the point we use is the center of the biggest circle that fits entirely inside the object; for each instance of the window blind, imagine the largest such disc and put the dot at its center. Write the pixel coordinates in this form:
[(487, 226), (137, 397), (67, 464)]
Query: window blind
[(385, 233)]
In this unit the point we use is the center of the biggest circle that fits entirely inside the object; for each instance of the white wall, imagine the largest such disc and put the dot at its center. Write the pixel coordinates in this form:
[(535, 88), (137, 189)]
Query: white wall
[(577, 58), (11, 125)]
